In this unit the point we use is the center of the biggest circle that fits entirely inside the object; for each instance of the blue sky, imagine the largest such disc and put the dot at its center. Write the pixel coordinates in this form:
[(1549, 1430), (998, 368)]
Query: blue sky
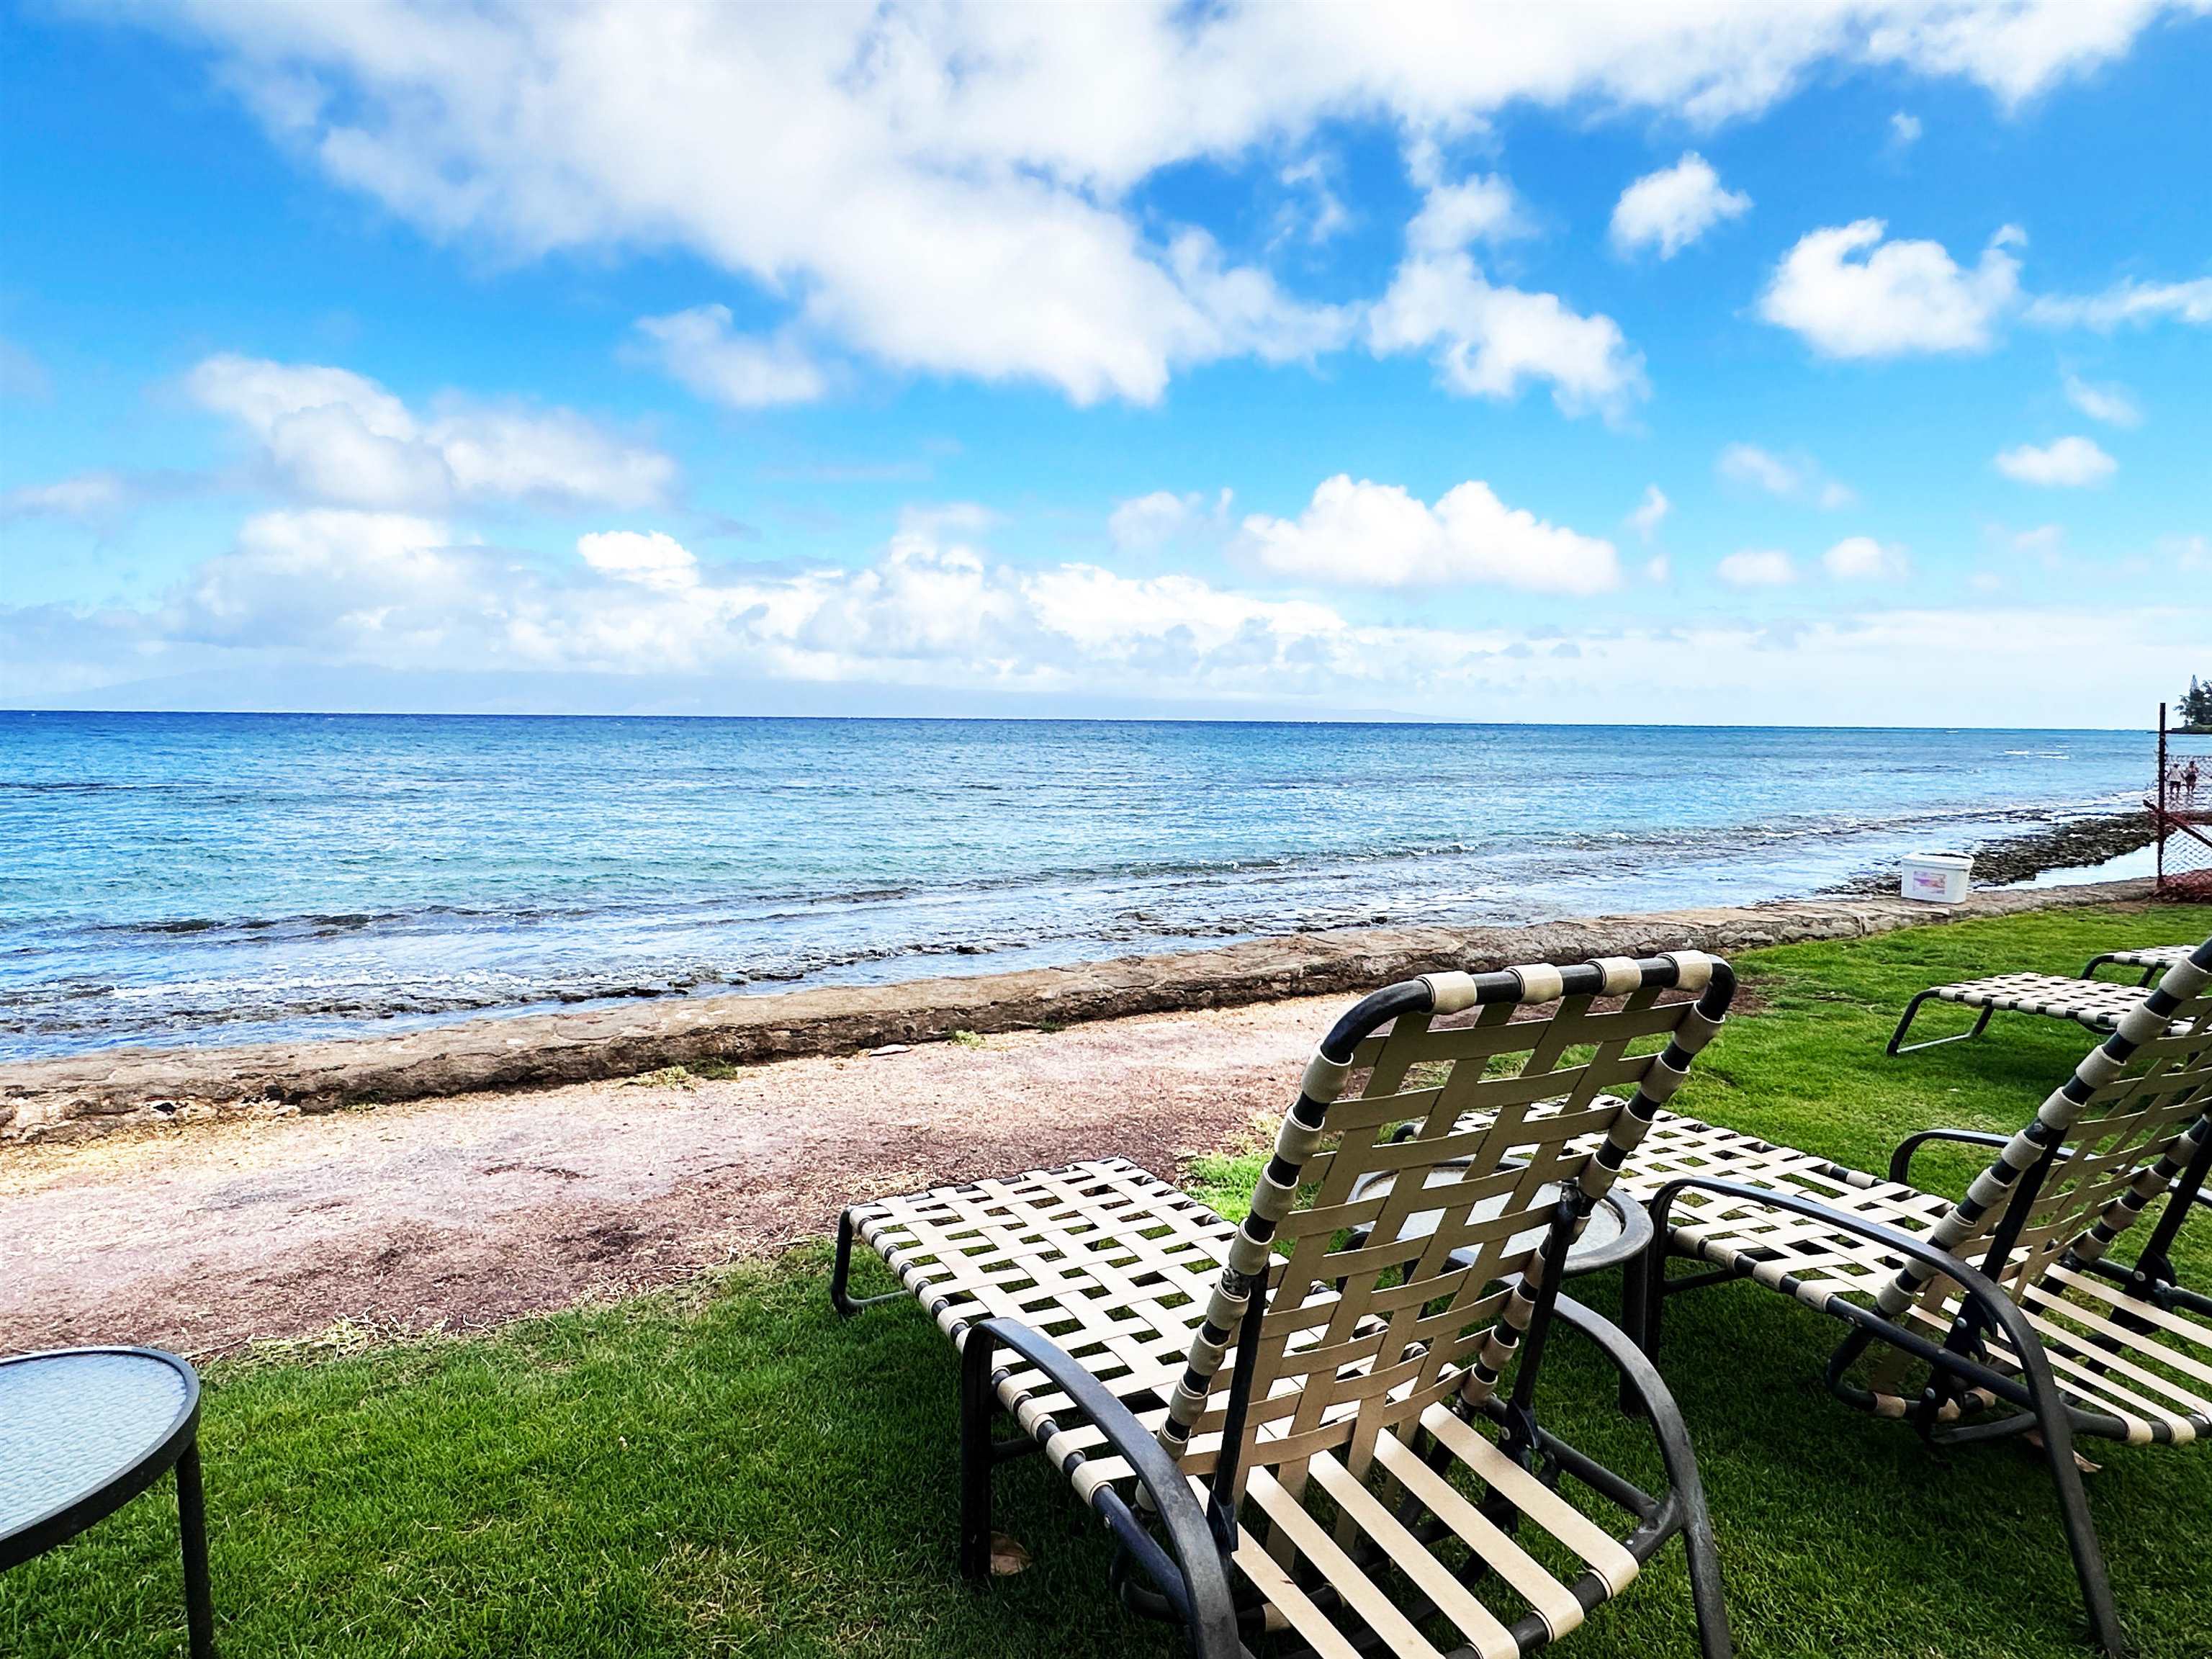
[(1679, 362)]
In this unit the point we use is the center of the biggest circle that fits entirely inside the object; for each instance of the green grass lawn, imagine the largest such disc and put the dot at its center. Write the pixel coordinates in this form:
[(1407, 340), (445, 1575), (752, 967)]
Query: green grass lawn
[(729, 1469)]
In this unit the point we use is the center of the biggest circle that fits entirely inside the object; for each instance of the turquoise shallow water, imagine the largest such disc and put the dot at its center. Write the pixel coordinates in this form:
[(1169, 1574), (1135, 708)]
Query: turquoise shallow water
[(169, 878)]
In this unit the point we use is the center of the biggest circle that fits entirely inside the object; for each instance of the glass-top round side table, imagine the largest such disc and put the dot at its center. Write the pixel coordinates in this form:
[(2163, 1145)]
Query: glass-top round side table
[(1616, 1232), (83, 1431)]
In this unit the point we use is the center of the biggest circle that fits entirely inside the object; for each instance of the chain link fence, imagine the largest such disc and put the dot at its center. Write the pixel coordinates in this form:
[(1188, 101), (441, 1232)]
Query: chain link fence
[(2182, 809)]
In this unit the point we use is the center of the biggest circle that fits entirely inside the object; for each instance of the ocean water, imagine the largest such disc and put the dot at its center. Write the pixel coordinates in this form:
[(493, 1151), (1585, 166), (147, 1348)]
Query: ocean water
[(198, 877)]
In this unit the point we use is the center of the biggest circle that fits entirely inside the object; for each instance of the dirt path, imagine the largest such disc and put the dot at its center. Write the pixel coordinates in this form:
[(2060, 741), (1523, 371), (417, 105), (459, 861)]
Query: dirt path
[(468, 1210)]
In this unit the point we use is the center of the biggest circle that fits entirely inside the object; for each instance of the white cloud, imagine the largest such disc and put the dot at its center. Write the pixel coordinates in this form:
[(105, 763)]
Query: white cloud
[(87, 497), (1673, 207), (699, 350), (649, 559), (1653, 508), (1367, 534), (1862, 558), (337, 436), (330, 587), (2016, 51), (2109, 403), (1491, 342), (947, 188), (1658, 567), (1147, 522), (2126, 302), (1794, 478), (1756, 568), (1480, 209), (393, 591), (1895, 297), (1241, 312), (1904, 131), (2064, 463), (389, 583)]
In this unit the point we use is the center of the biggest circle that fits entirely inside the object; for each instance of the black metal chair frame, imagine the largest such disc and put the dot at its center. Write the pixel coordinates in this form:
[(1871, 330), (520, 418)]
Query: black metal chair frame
[(2151, 1275), (2150, 973), (1189, 1581), (1898, 1044), (178, 1449), (1957, 1362)]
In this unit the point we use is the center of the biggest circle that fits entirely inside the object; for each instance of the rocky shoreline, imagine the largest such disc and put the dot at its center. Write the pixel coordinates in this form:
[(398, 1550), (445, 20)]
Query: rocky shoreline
[(2072, 844), (87, 1095)]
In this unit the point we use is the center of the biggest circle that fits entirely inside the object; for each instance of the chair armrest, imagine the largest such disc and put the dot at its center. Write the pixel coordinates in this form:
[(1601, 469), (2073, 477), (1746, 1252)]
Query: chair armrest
[(2000, 1309), (1209, 1605), (1901, 1161), (1637, 1369)]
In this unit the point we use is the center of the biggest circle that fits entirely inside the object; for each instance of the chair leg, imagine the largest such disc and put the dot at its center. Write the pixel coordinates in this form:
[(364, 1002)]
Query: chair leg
[(191, 1526), (1898, 1044), (1707, 1598), (1635, 1297), (847, 1306), (977, 1459), (2057, 1433), (1651, 1299)]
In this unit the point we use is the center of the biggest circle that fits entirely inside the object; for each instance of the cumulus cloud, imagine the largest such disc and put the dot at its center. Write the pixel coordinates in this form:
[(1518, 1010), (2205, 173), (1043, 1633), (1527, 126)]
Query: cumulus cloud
[(1649, 512), (1756, 568), (1904, 131), (651, 559), (2126, 303), (1849, 293), (1366, 534), (331, 586), (394, 590), (1673, 207), (699, 349), (334, 577), (1144, 523), (1793, 477), (1482, 208), (2109, 403), (1862, 558), (1490, 342), (948, 189), (339, 437), (2063, 464)]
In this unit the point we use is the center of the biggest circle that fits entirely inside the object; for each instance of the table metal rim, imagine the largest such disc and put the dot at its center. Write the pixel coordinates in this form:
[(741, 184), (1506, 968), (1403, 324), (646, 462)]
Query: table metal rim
[(42, 1532)]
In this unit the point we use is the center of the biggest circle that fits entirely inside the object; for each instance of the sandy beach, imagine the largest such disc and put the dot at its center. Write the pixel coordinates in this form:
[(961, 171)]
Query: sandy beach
[(462, 1210), (212, 1226)]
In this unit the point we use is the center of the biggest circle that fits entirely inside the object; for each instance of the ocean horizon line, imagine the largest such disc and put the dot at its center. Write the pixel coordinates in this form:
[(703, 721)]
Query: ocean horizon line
[(1410, 722)]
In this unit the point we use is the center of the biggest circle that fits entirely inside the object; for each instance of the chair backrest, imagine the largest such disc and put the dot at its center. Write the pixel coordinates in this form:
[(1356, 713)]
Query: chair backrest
[(1367, 1323), (2106, 1144)]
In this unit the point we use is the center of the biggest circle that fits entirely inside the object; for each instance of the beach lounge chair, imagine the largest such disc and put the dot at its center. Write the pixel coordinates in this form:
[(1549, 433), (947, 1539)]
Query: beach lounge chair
[(2153, 961), (1288, 1424), (2096, 1004), (2037, 1334)]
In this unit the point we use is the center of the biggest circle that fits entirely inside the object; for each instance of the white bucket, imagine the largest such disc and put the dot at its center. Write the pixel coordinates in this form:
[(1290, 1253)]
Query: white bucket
[(1935, 877)]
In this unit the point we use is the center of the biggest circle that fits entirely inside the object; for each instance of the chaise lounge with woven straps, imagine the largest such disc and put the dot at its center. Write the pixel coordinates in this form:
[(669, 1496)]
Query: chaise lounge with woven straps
[(1321, 1427), (2099, 1004), (2148, 962), (2006, 1313)]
